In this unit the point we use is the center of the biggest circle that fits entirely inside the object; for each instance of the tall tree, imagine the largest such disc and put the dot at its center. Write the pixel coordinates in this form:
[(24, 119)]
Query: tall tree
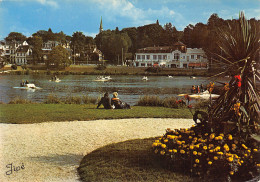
[(15, 36), (36, 43), (59, 56)]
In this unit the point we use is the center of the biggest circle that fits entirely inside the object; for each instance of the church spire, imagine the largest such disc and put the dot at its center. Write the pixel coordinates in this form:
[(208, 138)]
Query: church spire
[(101, 26)]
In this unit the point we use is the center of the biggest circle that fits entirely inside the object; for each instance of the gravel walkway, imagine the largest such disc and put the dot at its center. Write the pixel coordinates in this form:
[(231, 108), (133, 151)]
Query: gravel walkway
[(52, 151)]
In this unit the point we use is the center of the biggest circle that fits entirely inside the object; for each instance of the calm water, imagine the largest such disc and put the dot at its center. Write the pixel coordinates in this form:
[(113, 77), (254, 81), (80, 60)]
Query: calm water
[(130, 88)]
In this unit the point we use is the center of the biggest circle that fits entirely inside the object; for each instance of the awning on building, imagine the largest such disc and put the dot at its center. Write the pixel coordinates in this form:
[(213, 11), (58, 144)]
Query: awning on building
[(194, 64)]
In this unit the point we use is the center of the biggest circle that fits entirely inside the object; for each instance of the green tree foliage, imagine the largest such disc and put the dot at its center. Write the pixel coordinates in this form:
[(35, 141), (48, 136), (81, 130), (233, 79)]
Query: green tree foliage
[(36, 43), (59, 56), (15, 36)]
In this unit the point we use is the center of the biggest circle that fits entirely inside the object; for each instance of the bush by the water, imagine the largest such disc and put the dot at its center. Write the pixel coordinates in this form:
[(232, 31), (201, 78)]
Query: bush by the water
[(153, 69), (19, 100), (54, 99), (100, 67), (170, 102)]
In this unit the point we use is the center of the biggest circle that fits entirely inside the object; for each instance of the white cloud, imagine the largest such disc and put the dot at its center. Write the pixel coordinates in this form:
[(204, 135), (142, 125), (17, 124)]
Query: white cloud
[(51, 3)]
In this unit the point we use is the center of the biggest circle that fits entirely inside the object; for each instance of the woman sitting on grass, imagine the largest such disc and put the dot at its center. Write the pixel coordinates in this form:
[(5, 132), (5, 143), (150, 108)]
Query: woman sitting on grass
[(117, 103), (105, 101)]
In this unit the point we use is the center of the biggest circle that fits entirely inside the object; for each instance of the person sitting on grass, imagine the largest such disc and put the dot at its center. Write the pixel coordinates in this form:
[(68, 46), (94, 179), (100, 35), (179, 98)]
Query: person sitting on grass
[(117, 103), (105, 101)]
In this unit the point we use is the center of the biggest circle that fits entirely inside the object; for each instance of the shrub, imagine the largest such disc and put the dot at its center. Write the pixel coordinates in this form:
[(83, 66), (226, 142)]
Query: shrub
[(172, 102), (89, 100), (72, 100), (100, 67), (52, 99), (153, 69), (19, 100), (150, 101)]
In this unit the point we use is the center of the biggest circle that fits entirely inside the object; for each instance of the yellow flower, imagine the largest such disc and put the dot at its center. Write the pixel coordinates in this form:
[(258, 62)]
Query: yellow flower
[(194, 165), (211, 145), (216, 138), (220, 137), (230, 159), (183, 142), (211, 151), (209, 163), (174, 150), (190, 137), (206, 134), (191, 147), (245, 147), (199, 153), (155, 144), (258, 165), (212, 136), (156, 141), (220, 153), (162, 152), (248, 151), (166, 140), (180, 136), (230, 137), (205, 147), (221, 134), (255, 150), (215, 158), (179, 142), (197, 161), (163, 146), (194, 153), (245, 155), (170, 151), (231, 172), (182, 152), (242, 162), (156, 151)]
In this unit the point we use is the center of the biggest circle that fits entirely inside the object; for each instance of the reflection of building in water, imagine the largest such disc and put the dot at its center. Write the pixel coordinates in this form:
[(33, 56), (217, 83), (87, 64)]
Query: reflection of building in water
[(176, 56)]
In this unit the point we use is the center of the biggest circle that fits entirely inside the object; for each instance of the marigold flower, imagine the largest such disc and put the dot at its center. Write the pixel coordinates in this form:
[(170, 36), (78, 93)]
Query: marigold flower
[(220, 137), (230, 159), (226, 87), (258, 165), (199, 153), (191, 147), (220, 153), (212, 136), (209, 163), (166, 140), (236, 109), (175, 151), (255, 150), (211, 151), (245, 155), (206, 134), (155, 144), (194, 152), (197, 161), (190, 137), (179, 142), (182, 152), (242, 162), (230, 137), (162, 152), (163, 146), (248, 151), (205, 147), (245, 147), (231, 172), (156, 141), (216, 138), (215, 158), (170, 151)]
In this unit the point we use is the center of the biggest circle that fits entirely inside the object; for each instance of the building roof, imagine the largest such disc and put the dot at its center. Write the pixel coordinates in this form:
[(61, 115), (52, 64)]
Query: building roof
[(23, 48)]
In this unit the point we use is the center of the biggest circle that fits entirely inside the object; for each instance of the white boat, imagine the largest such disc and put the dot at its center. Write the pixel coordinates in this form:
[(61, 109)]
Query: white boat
[(57, 80), (28, 86), (145, 78), (169, 76), (102, 78), (204, 95)]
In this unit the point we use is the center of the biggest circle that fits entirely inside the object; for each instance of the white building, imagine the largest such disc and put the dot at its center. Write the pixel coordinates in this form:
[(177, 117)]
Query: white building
[(23, 55), (176, 56)]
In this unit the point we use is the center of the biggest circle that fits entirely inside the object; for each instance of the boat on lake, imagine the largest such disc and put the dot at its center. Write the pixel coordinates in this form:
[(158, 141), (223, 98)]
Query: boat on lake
[(55, 80), (145, 78), (203, 95), (102, 78), (28, 86)]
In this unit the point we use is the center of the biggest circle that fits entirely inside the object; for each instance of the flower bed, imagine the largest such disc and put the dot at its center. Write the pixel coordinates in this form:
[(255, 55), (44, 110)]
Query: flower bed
[(205, 154)]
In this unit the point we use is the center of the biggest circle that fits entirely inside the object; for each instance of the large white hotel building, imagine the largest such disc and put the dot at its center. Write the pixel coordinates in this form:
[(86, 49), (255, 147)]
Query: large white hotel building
[(176, 56)]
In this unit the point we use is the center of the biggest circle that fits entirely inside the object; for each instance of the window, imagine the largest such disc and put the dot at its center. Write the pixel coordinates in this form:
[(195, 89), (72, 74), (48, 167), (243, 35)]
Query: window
[(154, 56), (147, 56), (176, 56), (164, 56), (192, 57), (198, 56), (159, 57), (143, 64), (183, 57), (138, 57), (143, 57)]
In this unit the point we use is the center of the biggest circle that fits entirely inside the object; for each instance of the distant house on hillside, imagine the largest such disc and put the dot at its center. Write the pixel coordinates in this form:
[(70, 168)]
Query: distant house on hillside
[(23, 55), (176, 56)]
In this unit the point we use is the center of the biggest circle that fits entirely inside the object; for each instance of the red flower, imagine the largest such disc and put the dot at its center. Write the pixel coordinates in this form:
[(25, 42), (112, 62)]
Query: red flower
[(238, 80), (189, 106)]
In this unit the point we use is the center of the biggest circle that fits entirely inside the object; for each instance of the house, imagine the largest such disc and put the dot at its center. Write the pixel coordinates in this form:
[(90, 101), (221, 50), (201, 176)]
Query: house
[(176, 56), (23, 55)]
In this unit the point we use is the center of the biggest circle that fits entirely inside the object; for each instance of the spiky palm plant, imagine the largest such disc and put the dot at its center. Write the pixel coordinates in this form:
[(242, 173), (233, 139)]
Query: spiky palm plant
[(237, 110)]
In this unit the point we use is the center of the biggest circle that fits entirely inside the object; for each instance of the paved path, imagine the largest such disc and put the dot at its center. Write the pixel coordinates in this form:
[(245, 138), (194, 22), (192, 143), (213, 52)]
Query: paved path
[(52, 151)]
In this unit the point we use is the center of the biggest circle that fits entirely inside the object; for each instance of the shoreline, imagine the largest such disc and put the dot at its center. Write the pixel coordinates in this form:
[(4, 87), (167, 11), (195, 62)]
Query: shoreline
[(53, 151)]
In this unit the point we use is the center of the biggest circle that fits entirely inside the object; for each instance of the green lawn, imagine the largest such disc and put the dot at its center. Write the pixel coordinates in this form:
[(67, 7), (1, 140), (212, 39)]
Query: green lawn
[(132, 160), (37, 113)]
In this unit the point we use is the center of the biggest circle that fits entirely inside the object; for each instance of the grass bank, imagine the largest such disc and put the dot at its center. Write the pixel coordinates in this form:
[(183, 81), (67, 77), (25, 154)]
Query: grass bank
[(131, 160), (37, 113), (110, 70)]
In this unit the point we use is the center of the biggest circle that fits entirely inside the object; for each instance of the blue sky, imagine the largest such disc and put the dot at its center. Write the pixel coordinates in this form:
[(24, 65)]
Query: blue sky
[(29, 16)]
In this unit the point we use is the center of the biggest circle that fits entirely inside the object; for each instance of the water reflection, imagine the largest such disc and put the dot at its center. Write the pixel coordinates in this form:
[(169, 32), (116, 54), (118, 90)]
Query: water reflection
[(130, 88)]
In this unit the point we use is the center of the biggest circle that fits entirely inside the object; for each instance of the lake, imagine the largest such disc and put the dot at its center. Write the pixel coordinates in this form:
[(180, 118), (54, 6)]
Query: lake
[(129, 88)]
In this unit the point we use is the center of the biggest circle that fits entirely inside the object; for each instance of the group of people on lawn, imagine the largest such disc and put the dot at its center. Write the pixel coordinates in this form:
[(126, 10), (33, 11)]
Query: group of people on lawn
[(113, 103)]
